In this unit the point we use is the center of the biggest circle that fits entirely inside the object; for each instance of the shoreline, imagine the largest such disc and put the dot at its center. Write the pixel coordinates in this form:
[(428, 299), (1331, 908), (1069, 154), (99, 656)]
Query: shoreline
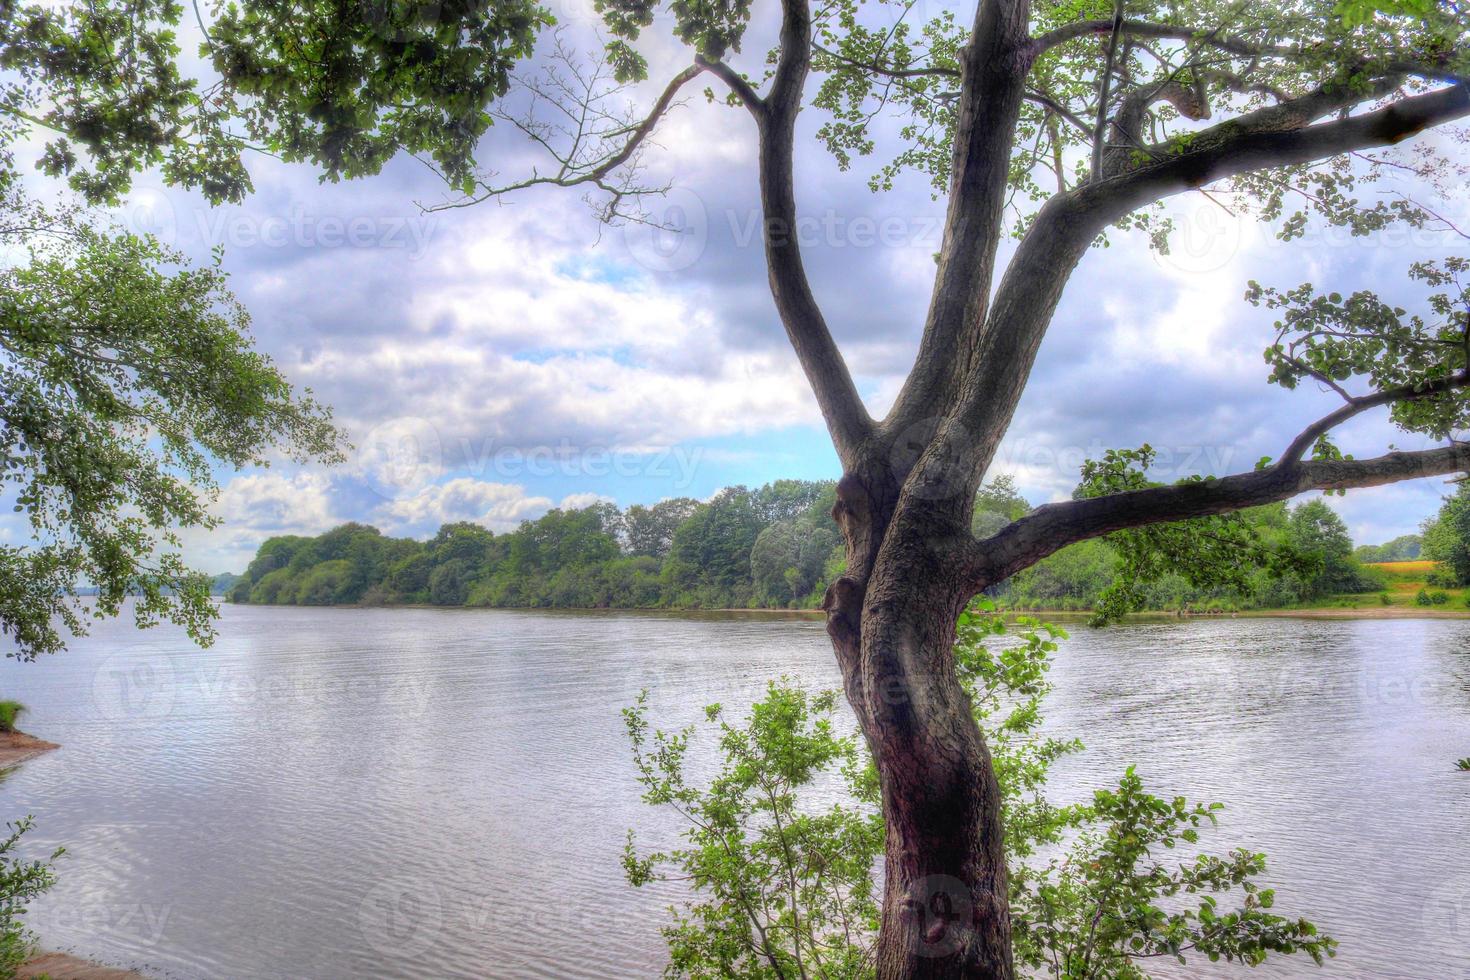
[(16, 748), (1147, 615), (65, 966)]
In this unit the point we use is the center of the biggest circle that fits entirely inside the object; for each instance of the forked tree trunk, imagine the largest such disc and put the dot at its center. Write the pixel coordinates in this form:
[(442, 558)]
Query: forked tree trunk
[(892, 623)]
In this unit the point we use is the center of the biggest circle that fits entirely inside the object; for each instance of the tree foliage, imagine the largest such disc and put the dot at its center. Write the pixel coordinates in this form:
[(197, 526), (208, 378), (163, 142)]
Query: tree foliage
[(1447, 535), (21, 882), (127, 377), (342, 86)]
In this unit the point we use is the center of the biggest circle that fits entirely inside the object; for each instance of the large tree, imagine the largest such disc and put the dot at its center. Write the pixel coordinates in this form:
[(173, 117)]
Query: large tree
[(1055, 122)]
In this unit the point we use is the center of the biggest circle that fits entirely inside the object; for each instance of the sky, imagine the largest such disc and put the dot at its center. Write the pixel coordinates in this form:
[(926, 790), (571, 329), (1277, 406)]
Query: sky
[(491, 362)]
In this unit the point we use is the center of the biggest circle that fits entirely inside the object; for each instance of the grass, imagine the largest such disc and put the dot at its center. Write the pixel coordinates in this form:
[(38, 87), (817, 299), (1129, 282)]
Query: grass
[(1403, 580), (9, 710)]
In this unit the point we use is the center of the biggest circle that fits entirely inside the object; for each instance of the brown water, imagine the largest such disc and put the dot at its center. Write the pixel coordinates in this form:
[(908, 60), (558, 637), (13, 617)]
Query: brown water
[(340, 793)]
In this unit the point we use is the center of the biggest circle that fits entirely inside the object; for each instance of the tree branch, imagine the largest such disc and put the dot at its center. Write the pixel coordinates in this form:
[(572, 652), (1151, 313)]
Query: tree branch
[(1168, 32), (842, 407), (1052, 527), (1357, 406), (596, 173), (993, 85), (737, 83), (1276, 136)]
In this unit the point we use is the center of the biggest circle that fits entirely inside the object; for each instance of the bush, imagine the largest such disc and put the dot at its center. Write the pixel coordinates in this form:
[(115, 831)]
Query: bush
[(1385, 598), (785, 885), (1438, 597), (20, 881), (1421, 598), (9, 710)]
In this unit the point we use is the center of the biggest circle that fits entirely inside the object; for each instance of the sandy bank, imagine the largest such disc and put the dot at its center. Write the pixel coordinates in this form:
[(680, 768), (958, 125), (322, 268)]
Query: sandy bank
[(64, 966), (17, 747)]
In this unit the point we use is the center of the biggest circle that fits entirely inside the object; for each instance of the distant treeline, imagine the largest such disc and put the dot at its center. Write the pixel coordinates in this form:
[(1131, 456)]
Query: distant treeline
[(1409, 547), (772, 547)]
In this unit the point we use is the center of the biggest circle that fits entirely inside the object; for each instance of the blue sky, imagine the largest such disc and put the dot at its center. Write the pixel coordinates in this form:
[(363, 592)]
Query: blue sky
[(495, 361)]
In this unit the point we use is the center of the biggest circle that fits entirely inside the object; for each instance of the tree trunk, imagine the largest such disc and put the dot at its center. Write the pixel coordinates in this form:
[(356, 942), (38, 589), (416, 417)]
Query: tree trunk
[(892, 623)]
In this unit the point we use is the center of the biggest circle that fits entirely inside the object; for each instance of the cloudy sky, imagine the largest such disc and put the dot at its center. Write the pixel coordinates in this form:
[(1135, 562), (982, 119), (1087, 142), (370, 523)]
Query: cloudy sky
[(494, 361)]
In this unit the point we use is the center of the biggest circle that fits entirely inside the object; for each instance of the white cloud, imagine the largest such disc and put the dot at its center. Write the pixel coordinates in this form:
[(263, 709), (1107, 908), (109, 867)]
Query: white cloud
[(498, 506)]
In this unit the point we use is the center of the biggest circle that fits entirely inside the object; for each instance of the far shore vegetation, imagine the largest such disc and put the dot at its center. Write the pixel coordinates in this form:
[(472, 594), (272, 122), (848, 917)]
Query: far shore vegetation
[(776, 547)]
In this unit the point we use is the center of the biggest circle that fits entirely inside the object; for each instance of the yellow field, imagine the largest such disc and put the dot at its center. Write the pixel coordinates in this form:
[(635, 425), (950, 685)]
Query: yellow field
[(1402, 581), (1397, 568)]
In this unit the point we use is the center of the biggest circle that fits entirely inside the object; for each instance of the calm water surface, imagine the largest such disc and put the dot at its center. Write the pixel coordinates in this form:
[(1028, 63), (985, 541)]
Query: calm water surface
[(418, 793)]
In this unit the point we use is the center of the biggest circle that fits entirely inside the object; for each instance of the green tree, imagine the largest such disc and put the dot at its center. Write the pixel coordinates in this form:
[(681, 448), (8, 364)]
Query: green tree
[(20, 883), (997, 504), (1405, 547), (650, 530), (126, 378), (344, 87), (1316, 531), (559, 539), (324, 584), (449, 583), (1447, 535), (709, 560)]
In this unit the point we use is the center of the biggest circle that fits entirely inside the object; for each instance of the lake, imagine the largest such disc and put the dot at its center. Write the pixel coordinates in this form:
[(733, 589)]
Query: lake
[(338, 793)]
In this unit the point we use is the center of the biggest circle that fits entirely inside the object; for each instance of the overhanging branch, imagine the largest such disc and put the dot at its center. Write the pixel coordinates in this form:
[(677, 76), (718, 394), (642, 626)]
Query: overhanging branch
[(1051, 527)]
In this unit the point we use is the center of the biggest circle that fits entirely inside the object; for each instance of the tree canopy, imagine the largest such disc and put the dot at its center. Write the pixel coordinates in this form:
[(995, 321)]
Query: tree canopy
[(344, 87)]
